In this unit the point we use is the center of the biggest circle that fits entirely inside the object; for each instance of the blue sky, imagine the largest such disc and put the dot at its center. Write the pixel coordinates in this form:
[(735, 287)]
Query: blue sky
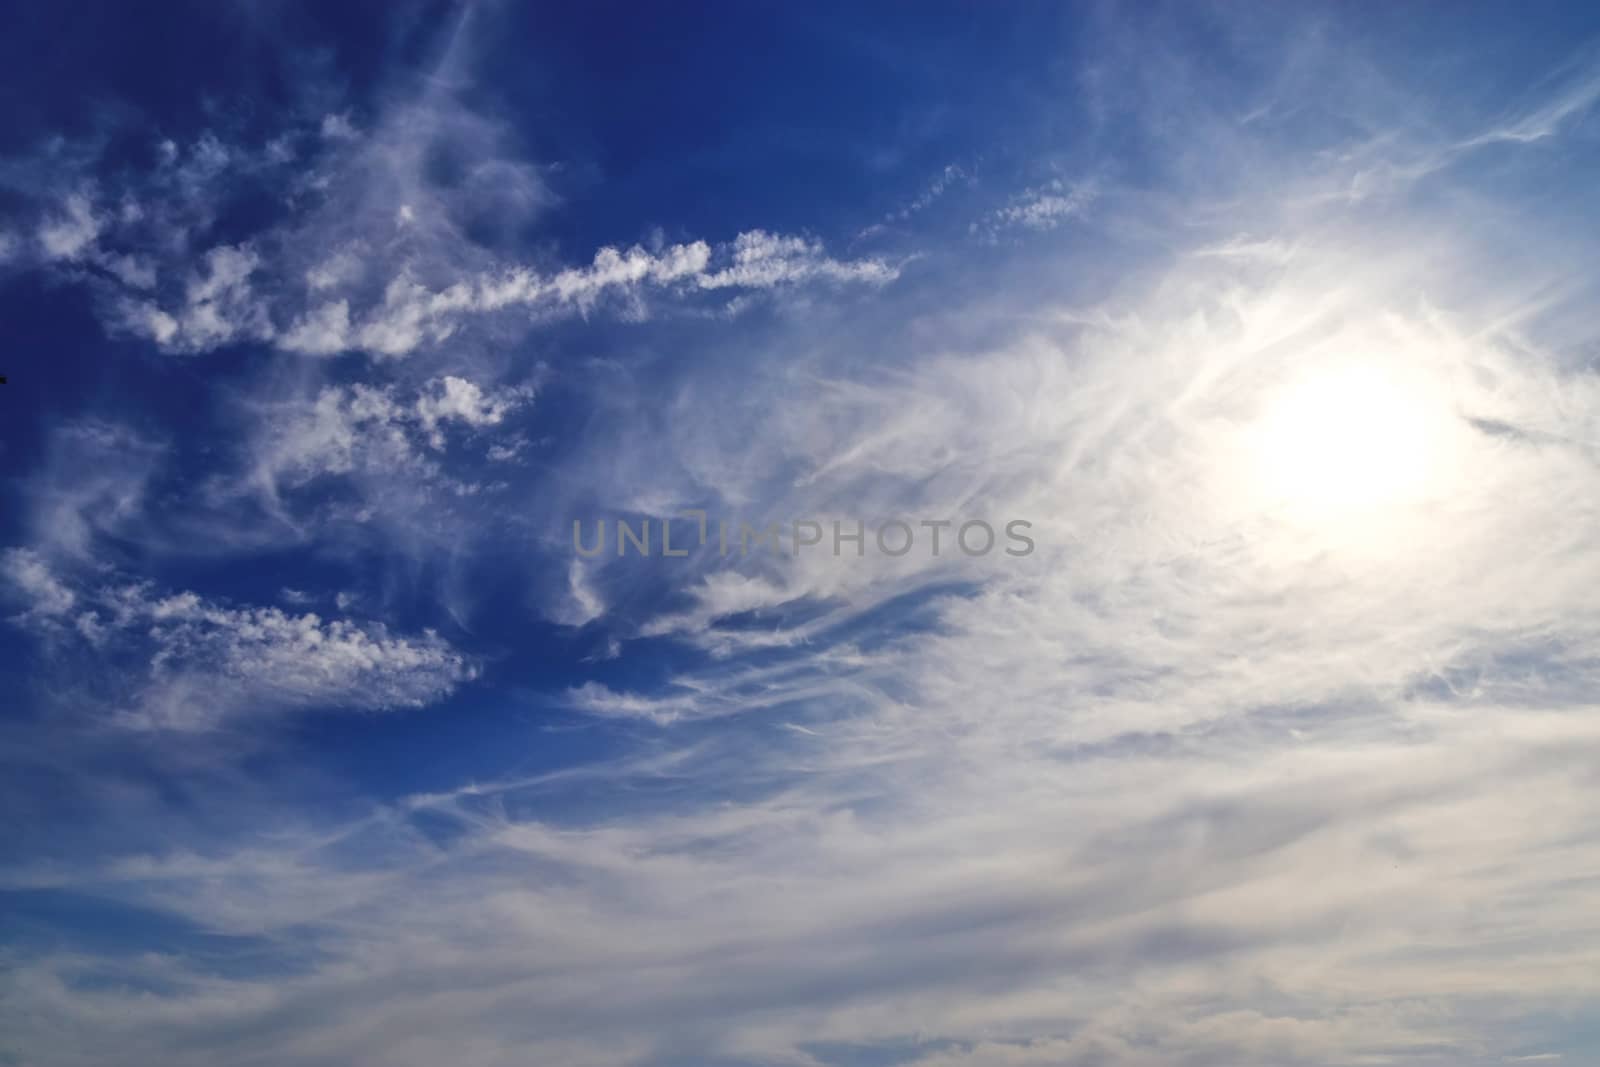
[(324, 324)]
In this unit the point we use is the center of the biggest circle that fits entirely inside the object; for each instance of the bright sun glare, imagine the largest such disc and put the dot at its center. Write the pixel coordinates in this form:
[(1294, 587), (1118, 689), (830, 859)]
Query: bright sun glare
[(1347, 441)]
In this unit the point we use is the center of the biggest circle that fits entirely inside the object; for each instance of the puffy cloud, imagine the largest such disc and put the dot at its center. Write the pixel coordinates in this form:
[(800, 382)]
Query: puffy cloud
[(456, 399), (323, 331)]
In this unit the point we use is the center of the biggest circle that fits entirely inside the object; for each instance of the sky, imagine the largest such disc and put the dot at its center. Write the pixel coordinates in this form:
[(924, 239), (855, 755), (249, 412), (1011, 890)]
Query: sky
[(1263, 338)]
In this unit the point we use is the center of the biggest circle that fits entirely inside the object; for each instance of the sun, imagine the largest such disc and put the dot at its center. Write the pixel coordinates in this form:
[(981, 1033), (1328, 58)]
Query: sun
[(1346, 442)]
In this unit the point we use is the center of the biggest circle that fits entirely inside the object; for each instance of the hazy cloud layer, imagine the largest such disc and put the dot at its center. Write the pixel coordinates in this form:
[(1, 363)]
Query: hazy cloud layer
[(1279, 749)]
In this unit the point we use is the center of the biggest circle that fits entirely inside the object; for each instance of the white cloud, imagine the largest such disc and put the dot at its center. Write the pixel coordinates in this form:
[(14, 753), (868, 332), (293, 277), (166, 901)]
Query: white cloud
[(456, 399), (190, 663), (508, 451), (1217, 777), (1045, 207), (412, 315), (597, 699), (379, 429), (1574, 100), (371, 254), (583, 604), (92, 484), (342, 268), (324, 331), (338, 128), (211, 662), (219, 306), (951, 176), (764, 260), (133, 271), (70, 233), (31, 577)]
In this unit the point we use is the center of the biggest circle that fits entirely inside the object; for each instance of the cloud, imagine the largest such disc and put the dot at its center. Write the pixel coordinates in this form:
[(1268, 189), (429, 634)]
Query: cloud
[(1221, 775), (93, 483), (338, 128), (597, 699), (1127, 907), (456, 399), (195, 664), (411, 315), (380, 430), (367, 250), (1044, 207), (28, 574), (219, 306), (1574, 97), (763, 260), (71, 232), (583, 604)]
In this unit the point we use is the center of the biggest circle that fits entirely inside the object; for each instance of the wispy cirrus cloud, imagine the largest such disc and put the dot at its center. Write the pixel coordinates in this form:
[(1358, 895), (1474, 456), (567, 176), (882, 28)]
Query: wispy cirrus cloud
[(1235, 769), (366, 252)]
